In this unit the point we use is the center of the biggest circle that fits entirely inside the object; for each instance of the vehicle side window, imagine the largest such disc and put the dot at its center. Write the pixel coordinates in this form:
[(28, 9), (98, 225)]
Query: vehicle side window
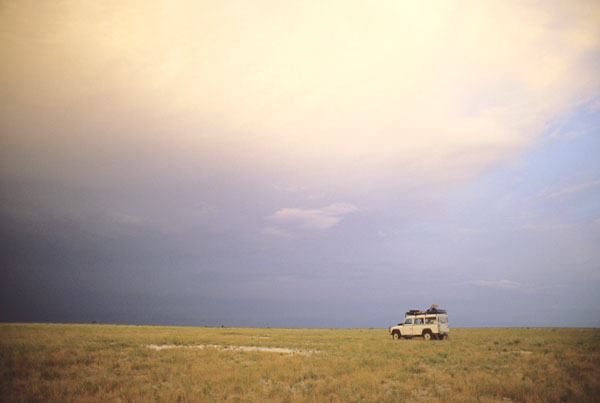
[(443, 320), (429, 320), (408, 322), (418, 321)]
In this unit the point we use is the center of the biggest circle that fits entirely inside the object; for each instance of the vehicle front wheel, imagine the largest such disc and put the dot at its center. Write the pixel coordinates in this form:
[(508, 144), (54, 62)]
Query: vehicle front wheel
[(396, 336), (427, 336)]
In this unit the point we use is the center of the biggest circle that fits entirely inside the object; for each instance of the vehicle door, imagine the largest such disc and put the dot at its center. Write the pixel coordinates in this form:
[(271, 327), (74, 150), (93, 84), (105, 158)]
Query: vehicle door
[(418, 326), (432, 324), (443, 321), (407, 327)]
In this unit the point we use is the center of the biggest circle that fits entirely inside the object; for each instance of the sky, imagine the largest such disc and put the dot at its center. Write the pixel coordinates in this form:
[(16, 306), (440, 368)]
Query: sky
[(300, 164)]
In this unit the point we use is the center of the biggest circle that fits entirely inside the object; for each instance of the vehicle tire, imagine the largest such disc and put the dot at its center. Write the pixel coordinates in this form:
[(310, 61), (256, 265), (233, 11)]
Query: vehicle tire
[(427, 336), (396, 336)]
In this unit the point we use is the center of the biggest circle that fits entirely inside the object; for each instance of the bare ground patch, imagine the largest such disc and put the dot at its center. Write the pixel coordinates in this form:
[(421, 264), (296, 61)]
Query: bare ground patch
[(280, 350)]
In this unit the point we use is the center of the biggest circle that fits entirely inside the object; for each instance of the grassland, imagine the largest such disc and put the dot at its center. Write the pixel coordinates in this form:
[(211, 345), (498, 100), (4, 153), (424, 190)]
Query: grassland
[(60, 362)]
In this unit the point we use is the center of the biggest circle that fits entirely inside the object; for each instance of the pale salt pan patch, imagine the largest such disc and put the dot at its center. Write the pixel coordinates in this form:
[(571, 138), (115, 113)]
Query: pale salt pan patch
[(280, 350)]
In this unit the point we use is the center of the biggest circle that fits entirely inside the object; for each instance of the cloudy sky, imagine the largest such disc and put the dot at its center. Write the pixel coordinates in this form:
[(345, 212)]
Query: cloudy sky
[(301, 164)]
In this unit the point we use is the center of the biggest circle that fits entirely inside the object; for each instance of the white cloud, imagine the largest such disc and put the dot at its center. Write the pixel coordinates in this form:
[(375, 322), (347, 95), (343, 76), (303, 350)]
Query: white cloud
[(320, 218), (276, 232), (504, 284), (295, 189), (570, 189), (594, 106), (514, 285)]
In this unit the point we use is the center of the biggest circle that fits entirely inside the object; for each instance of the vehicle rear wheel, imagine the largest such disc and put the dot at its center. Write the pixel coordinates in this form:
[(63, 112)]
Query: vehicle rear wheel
[(427, 336)]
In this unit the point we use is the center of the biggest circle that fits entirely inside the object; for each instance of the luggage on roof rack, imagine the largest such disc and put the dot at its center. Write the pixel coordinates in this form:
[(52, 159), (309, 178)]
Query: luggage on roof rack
[(415, 312), (435, 310)]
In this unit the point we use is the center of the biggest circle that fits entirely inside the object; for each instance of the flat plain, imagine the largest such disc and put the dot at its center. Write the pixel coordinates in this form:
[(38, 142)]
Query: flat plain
[(93, 362)]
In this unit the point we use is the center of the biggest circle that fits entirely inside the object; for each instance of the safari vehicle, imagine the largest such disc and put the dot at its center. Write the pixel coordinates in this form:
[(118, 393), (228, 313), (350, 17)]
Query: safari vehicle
[(431, 324)]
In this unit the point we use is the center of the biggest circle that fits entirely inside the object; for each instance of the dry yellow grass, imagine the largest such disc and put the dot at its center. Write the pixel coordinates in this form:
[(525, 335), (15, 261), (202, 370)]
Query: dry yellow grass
[(60, 362)]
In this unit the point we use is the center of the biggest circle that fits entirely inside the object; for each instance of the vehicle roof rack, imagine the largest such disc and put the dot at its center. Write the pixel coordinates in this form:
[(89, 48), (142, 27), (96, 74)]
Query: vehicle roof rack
[(433, 309), (415, 312)]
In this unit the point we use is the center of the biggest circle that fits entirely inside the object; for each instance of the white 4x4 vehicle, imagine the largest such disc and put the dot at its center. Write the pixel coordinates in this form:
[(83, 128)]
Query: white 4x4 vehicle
[(432, 324)]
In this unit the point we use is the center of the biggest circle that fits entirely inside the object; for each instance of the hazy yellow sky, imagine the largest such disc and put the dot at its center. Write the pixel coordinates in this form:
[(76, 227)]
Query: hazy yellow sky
[(427, 86)]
